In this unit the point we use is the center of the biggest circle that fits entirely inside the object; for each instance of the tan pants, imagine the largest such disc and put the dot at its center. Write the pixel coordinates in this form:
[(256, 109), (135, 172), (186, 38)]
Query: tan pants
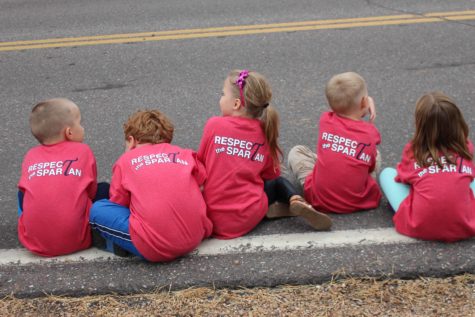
[(377, 168), (302, 160)]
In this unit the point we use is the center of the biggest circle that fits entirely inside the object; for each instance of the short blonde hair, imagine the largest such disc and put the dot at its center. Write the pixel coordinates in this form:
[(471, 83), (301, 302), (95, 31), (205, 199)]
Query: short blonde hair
[(344, 91), (149, 126), (48, 118)]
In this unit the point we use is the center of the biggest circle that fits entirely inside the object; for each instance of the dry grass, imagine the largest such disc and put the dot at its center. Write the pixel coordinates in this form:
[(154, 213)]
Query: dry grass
[(453, 296)]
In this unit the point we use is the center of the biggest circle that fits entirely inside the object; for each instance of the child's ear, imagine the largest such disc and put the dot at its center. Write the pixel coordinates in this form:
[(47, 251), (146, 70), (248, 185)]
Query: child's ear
[(363, 103), (237, 104), (68, 133), (130, 143)]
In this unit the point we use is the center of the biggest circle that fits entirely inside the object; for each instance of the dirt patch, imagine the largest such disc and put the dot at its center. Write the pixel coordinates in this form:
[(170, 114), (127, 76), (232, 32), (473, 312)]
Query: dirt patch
[(453, 296)]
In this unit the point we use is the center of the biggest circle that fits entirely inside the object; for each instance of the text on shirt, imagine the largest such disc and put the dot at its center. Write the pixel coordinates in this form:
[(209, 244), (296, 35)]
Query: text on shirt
[(345, 146), (157, 158), (54, 168), (459, 167), (239, 148)]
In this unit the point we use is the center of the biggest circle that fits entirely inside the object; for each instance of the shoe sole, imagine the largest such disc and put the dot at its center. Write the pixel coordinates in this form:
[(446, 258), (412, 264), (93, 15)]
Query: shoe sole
[(279, 210), (317, 220)]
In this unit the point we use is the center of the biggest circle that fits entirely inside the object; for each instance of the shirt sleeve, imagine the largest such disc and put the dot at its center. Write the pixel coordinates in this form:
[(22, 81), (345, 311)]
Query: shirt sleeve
[(92, 187), (21, 182), (470, 146), (377, 141), (406, 168), (199, 171), (118, 193), (270, 171), (201, 154), (470, 149)]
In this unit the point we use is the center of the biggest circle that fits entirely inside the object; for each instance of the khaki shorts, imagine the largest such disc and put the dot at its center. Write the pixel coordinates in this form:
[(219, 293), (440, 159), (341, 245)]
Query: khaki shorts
[(301, 161)]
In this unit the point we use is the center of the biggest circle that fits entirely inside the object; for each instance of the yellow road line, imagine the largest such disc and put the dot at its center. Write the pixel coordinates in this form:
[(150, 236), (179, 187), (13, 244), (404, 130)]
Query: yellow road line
[(239, 30), (207, 30), (439, 14)]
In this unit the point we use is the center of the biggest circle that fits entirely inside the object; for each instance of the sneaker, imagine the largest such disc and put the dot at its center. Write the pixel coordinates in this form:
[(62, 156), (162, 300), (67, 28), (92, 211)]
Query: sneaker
[(300, 207), (102, 243), (278, 210), (98, 240), (121, 252)]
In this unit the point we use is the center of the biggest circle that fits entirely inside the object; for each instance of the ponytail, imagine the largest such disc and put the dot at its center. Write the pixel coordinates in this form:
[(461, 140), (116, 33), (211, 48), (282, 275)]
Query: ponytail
[(270, 124), (255, 94)]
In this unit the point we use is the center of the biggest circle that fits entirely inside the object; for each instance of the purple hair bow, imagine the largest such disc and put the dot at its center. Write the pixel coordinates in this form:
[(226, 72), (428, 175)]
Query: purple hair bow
[(240, 82), (241, 79)]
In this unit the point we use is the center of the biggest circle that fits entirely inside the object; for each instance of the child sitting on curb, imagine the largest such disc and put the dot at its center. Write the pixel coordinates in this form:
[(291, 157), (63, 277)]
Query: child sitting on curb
[(156, 209), (338, 178), (58, 182), (432, 189)]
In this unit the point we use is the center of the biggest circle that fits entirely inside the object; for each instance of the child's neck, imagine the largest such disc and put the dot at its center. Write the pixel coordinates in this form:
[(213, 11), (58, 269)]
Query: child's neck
[(351, 116), (53, 141), (241, 113), (142, 144)]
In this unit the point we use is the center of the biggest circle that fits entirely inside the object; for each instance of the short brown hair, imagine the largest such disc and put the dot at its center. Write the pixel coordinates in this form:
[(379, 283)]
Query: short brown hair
[(440, 128), (48, 118), (344, 91), (149, 126)]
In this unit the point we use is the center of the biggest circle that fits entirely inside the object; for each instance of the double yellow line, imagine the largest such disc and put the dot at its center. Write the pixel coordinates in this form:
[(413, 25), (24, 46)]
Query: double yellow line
[(239, 30)]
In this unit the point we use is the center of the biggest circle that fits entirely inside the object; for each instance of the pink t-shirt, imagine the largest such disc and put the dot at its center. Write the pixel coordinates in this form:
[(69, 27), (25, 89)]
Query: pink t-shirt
[(160, 184), (440, 205), (58, 182), (346, 155), (235, 153)]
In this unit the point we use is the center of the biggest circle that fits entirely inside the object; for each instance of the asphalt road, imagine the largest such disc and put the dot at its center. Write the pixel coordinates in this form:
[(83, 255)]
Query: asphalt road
[(183, 78)]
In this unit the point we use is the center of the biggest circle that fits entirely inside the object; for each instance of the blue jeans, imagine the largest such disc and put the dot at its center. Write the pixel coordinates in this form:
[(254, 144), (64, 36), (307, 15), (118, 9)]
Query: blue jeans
[(20, 202), (279, 189), (112, 222), (396, 192)]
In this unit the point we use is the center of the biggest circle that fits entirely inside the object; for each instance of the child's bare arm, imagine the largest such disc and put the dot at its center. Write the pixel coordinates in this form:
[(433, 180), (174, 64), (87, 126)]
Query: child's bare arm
[(371, 109)]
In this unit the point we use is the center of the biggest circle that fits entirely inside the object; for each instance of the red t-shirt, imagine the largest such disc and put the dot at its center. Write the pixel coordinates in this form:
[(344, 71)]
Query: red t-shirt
[(58, 182), (346, 155), (160, 184), (235, 153), (440, 205)]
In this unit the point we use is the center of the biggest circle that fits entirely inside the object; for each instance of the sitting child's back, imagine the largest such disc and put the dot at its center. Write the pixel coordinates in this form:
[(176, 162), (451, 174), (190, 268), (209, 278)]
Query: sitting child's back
[(160, 184), (58, 182), (337, 179), (346, 154), (156, 209), (432, 188), (441, 205)]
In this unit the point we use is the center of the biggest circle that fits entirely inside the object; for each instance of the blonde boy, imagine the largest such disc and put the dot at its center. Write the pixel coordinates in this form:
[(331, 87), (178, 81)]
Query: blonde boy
[(337, 178), (58, 182)]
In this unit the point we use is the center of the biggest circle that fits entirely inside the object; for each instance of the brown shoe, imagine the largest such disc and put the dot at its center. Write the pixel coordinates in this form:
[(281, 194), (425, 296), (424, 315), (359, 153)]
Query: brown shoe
[(300, 207), (279, 210)]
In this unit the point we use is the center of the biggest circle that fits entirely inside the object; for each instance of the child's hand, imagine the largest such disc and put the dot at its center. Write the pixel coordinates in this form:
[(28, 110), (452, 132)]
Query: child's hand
[(371, 109)]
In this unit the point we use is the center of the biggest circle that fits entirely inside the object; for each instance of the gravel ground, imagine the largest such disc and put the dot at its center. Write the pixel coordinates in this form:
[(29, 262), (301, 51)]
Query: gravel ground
[(452, 296)]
